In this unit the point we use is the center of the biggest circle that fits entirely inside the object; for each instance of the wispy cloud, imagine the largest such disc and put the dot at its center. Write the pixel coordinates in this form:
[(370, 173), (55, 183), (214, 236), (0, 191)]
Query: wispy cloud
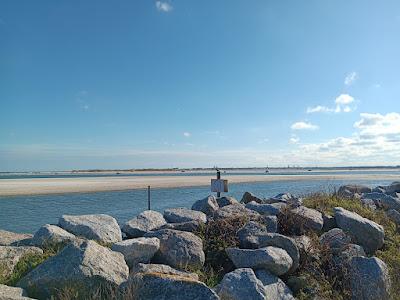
[(294, 139), (187, 134), (343, 103), (350, 78), (163, 6), (303, 126)]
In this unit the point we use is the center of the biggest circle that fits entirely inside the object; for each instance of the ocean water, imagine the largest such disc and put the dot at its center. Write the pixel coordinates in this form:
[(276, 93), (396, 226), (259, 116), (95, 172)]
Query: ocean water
[(28, 213)]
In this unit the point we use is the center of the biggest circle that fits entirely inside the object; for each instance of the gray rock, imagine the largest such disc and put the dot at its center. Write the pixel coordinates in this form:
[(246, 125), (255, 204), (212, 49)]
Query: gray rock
[(351, 250), (207, 205), (180, 215), (393, 188), (241, 284), (379, 189), (163, 269), (308, 218), (12, 293), (364, 232), (185, 226), (287, 198), (270, 222), (263, 239), (151, 286), (224, 201), (49, 235), (329, 222), (275, 288), (335, 239), (146, 221), (249, 197), (8, 238), (139, 250), (11, 255), (384, 201), (349, 191), (83, 263), (235, 210), (368, 203), (272, 259), (179, 249), (369, 278), (303, 243), (248, 234), (394, 215), (100, 227), (263, 209)]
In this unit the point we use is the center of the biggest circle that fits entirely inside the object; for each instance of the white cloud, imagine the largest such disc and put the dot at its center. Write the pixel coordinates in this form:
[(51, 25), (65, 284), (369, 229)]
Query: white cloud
[(343, 104), (319, 108), (163, 6), (377, 125), (187, 134), (344, 99), (350, 78), (304, 126), (294, 139)]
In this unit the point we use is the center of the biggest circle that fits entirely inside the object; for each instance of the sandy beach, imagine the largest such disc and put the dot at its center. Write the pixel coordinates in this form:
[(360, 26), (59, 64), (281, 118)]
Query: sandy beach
[(38, 186)]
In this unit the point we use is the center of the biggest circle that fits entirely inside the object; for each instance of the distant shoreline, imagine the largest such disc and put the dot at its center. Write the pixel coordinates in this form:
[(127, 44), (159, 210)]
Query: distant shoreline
[(43, 186)]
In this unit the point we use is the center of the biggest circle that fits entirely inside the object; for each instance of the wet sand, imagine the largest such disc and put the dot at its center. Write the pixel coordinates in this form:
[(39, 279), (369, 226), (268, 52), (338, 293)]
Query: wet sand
[(41, 186)]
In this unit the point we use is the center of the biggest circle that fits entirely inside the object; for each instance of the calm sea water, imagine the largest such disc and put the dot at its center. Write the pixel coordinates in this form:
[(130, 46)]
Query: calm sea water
[(28, 213)]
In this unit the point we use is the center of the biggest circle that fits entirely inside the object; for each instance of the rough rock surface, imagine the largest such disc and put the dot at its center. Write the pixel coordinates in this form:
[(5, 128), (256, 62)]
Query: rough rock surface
[(287, 198), (364, 232), (82, 262), (51, 234), (393, 188), (308, 218), (264, 209), (235, 210), (394, 215), (270, 222), (12, 293), (179, 249), (180, 215), (227, 200), (247, 233), (8, 238), (335, 239), (263, 239), (369, 278), (208, 205), (100, 227), (151, 286), (144, 222), (249, 197), (185, 226), (272, 259), (241, 284), (349, 191), (11, 255), (139, 250), (274, 287), (163, 269), (383, 200)]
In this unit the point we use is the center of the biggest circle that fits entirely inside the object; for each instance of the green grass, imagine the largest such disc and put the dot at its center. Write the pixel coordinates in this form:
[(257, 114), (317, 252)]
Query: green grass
[(390, 253)]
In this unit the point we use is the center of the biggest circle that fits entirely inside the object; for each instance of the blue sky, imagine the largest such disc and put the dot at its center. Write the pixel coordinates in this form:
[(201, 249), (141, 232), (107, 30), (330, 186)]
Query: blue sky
[(134, 84)]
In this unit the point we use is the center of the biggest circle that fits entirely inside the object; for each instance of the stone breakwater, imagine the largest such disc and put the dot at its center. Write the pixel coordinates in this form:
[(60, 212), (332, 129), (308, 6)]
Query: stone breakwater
[(159, 256)]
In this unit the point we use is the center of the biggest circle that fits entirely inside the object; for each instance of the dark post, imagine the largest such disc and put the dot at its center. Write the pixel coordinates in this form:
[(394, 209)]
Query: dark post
[(148, 197), (218, 177)]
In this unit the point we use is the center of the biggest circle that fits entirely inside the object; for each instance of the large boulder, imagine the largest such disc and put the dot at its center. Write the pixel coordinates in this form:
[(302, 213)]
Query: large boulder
[(102, 228), (307, 218), (162, 269), (364, 232), (247, 233), (384, 201), (266, 209), (12, 293), (369, 278), (227, 200), (146, 221), (82, 263), (234, 211), (180, 215), (241, 284), (393, 188), (272, 259), (150, 286), (11, 255), (350, 190), (139, 250), (191, 226), (207, 205), (49, 235), (264, 239), (179, 249), (275, 288), (286, 198), (249, 197), (394, 215), (270, 222), (8, 238), (335, 239)]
